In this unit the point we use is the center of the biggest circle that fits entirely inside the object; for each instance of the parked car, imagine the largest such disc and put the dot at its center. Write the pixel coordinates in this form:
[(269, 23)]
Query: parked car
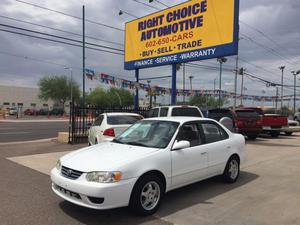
[(297, 116), (272, 124), (57, 112), (183, 110), (245, 121), (43, 112), (12, 111), (109, 125), (29, 112), (293, 123), (152, 157)]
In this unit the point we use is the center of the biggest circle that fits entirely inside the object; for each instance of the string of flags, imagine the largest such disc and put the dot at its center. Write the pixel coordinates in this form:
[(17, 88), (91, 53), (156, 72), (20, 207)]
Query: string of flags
[(132, 85)]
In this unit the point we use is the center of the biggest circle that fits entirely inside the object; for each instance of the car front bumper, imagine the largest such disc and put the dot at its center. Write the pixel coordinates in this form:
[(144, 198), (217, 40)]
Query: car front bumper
[(91, 194)]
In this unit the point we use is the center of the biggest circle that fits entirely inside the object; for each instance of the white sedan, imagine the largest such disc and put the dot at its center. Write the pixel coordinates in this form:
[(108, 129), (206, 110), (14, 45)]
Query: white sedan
[(150, 158), (109, 125)]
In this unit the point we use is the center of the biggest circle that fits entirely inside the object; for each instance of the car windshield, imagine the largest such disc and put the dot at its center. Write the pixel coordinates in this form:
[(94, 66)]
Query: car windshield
[(149, 133), (126, 119)]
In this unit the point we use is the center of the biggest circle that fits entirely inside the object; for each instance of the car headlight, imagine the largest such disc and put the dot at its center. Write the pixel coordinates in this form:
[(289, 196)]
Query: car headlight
[(58, 165), (104, 177)]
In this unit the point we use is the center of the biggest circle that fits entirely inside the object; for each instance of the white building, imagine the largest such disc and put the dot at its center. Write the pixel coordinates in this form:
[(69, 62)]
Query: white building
[(22, 97)]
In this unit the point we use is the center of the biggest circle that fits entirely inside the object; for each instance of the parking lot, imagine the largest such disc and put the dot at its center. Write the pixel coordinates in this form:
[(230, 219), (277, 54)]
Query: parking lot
[(266, 193)]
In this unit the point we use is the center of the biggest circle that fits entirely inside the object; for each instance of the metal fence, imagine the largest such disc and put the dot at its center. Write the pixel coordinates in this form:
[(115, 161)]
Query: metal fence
[(81, 118)]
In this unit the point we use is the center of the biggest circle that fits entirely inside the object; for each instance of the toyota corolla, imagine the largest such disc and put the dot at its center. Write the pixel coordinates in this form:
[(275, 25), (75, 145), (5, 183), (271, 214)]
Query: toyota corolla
[(150, 158)]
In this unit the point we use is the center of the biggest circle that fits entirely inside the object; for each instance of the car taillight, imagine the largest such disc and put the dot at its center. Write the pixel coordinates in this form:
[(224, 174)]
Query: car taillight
[(109, 132), (240, 123)]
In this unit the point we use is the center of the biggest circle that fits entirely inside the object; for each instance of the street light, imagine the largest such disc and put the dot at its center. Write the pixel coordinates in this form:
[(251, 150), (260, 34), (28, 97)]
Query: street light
[(191, 78), (71, 82), (295, 73), (282, 69), (121, 12), (221, 61)]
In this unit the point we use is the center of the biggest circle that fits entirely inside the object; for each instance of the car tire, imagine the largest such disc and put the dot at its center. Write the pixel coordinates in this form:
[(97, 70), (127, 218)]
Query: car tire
[(275, 134), (288, 133), (96, 141), (252, 137), (146, 195), (232, 170)]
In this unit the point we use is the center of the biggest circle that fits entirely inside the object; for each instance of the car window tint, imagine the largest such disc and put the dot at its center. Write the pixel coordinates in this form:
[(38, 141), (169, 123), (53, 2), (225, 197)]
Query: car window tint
[(213, 132), (98, 121), (189, 132), (163, 112), (119, 120), (246, 114), (153, 113), (185, 111)]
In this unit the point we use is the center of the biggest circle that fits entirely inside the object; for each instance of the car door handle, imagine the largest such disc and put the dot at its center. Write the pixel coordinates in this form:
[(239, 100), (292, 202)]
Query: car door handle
[(203, 153), (228, 147)]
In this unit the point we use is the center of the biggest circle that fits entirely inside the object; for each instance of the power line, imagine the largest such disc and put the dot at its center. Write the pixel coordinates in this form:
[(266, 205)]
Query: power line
[(60, 37), (150, 6), (60, 30), (58, 41), (69, 15)]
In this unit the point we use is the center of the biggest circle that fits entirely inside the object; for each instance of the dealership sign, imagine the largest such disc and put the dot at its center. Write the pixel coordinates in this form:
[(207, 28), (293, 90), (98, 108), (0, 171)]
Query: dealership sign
[(194, 30)]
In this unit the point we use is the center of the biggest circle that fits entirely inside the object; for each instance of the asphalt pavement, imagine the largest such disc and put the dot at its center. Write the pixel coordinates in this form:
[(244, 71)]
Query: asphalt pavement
[(28, 131)]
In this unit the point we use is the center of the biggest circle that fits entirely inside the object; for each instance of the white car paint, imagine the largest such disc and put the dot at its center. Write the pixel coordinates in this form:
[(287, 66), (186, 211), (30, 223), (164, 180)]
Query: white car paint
[(179, 167), (95, 132)]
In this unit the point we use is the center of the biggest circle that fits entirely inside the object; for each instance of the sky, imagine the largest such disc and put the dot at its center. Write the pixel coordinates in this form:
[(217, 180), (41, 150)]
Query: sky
[(269, 32)]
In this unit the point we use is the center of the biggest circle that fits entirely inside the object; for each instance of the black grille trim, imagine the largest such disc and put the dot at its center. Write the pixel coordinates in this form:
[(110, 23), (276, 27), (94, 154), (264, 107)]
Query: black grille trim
[(70, 173)]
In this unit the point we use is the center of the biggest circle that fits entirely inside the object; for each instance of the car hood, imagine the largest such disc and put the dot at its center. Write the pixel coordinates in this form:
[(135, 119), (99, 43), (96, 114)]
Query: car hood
[(107, 156)]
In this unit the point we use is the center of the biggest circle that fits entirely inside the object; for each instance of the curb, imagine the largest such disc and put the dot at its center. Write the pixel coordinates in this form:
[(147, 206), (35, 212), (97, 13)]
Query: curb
[(33, 121), (28, 142)]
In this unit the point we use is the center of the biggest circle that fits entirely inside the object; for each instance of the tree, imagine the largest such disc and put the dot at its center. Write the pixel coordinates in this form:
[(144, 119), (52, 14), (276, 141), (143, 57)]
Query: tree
[(204, 101), (113, 97), (58, 89)]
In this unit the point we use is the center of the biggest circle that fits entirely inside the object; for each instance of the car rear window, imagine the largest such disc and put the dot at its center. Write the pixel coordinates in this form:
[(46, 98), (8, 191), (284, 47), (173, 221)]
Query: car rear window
[(115, 120), (163, 112), (246, 114), (153, 113), (185, 111)]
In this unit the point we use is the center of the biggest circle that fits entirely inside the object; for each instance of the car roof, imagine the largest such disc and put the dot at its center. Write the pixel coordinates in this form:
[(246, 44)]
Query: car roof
[(121, 114), (175, 106), (180, 119)]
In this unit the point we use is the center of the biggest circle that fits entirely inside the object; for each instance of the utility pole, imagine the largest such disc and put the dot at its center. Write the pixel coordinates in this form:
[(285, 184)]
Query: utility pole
[(215, 84), (221, 61), (83, 56), (235, 80), (295, 73), (183, 82), (191, 78), (282, 70), (150, 94), (241, 72), (276, 100)]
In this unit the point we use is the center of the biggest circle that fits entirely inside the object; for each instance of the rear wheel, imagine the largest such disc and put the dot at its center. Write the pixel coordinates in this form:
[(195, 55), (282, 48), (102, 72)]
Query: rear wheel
[(252, 137), (275, 134), (146, 195), (288, 133), (232, 170)]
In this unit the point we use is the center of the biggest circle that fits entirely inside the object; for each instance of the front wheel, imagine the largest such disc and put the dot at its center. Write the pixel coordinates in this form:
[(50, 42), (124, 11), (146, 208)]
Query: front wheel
[(252, 137), (232, 170), (146, 195), (275, 134), (288, 133)]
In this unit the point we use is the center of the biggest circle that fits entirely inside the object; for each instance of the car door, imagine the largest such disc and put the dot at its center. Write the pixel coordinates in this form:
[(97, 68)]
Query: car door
[(189, 165), (95, 128), (217, 145)]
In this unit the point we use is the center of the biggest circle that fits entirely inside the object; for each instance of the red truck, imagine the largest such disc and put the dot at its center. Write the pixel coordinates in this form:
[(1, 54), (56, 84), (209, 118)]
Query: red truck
[(272, 124)]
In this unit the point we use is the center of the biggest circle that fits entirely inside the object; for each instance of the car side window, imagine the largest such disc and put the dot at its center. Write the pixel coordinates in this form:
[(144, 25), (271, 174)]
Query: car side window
[(153, 113), (164, 112), (213, 132), (98, 121), (190, 132)]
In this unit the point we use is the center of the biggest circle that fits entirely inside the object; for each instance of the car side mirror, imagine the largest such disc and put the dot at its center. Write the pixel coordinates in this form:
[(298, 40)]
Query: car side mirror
[(181, 144), (227, 122)]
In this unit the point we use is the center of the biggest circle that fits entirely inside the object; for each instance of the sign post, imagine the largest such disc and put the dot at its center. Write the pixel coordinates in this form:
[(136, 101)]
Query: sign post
[(136, 97)]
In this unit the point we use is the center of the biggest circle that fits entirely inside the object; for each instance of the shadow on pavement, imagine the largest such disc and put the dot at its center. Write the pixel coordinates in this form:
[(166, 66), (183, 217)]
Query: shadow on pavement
[(198, 193)]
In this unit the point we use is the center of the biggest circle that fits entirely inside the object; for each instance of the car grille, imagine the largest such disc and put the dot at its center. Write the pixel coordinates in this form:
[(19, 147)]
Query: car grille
[(70, 173)]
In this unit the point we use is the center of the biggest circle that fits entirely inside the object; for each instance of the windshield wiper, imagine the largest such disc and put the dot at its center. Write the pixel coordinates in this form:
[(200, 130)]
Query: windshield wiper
[(135, 143)]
